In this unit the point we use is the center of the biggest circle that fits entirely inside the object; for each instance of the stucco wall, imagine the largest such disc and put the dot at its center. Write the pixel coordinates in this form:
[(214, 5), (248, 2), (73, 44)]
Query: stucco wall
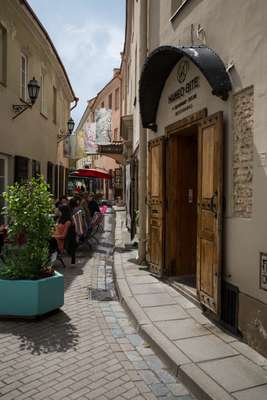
[(32, 134), (239, 41)]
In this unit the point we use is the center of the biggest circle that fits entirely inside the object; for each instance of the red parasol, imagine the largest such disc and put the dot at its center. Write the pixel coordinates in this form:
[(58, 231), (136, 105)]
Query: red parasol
[(91, 173)]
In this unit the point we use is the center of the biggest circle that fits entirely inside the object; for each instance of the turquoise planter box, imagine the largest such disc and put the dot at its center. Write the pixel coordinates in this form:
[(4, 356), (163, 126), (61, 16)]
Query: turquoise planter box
[(25, 298)]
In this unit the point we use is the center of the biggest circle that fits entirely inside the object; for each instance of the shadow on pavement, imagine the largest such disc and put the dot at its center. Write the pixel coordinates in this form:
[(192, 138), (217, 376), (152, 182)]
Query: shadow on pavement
[(48, 334)]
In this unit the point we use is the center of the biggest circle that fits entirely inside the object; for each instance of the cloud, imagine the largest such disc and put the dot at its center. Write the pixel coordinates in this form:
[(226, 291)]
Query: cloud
[(89, 52)]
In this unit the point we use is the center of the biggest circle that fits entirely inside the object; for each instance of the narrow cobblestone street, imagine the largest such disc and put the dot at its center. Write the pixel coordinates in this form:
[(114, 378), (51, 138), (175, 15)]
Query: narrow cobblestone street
[(88, 350)]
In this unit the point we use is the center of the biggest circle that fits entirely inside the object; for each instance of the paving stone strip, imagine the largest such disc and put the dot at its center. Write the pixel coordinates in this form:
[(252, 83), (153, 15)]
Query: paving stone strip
[(88, 350), (214, 364)]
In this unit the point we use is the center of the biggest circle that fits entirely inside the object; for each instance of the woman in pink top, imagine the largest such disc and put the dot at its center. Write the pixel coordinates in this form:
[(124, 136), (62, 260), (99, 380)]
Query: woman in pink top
[(62, 227)]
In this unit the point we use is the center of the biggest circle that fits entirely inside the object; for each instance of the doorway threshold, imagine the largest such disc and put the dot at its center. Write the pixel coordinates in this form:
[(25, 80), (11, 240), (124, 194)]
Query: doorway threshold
[(186, 286)]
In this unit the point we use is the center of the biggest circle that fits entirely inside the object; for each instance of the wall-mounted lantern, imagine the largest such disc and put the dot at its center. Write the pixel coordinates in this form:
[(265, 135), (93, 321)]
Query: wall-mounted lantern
[(62, 136), (33, 91)]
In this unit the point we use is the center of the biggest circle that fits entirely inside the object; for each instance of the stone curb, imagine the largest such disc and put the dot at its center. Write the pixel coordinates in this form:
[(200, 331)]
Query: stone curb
[(197, 381)]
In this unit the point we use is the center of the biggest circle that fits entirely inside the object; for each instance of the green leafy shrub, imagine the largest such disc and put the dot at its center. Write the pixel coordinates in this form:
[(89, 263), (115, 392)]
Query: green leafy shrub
[(29, 209)]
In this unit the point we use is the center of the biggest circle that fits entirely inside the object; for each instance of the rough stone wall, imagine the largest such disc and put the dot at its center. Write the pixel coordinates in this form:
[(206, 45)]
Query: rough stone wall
[(243, 122)]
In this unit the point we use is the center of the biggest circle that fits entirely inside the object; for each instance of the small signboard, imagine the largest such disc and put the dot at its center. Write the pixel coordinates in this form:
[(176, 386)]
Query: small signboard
[(110, 149)]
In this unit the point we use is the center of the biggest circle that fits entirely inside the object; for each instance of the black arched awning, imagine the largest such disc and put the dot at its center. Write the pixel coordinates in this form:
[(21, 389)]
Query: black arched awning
[(160, 63)]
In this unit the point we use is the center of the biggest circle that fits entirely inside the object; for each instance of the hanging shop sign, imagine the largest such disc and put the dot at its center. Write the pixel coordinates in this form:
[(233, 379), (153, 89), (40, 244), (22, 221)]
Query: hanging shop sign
[(110, 148)]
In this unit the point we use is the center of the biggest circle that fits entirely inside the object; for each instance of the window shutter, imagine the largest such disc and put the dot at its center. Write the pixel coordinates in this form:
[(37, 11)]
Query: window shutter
[(56, 192)]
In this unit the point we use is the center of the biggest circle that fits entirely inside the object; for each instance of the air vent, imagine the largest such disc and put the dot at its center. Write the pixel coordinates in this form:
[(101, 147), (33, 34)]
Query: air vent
[(230, 306)]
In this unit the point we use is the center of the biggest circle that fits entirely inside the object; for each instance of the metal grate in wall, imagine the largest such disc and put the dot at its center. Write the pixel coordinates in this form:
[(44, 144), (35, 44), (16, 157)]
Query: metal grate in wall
[(230, 305)]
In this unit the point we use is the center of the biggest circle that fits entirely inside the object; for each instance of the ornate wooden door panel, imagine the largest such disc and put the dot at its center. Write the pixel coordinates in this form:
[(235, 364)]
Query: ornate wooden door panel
[(156, 168), (210, 179)]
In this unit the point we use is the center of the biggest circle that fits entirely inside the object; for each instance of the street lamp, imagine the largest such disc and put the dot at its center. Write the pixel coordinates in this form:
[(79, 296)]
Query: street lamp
[(61, 136), (70, 124), (33, 91)]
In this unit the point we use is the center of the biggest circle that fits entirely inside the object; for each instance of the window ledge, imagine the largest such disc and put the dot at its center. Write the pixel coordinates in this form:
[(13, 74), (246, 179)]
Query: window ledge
[(178, 11)]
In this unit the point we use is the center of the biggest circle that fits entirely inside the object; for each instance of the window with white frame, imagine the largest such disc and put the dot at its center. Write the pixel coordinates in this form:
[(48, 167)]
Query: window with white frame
[(110, 101), (23, 77), (43, 94), (54, 105), (117, 98), (176, 6), (62, 113), (3, 55)]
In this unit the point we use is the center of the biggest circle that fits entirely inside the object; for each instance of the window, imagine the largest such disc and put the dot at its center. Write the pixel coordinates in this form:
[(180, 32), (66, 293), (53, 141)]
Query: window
[(56, 192), (36, 168), (176, 6), (43, 95), (116, 135), (102, 104), (49, 175), (3, 55), (23, 77), (54, 105), (117, 99), (110, 101), (21, 169), (128, 77)]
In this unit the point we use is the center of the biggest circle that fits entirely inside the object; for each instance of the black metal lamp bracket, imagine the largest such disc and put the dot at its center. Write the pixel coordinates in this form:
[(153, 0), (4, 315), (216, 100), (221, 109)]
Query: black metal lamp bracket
[(62, 136), (20, 108)]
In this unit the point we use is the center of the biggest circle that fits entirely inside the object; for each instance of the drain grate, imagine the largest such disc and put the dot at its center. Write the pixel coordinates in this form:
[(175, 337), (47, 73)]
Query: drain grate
[(100, 294)]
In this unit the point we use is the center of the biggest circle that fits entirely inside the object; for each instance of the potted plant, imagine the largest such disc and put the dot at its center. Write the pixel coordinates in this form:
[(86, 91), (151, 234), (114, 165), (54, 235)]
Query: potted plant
[(29, 286)]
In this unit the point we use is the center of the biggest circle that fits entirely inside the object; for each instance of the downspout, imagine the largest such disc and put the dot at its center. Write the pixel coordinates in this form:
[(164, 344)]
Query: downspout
[(142, 190), (76, 99)]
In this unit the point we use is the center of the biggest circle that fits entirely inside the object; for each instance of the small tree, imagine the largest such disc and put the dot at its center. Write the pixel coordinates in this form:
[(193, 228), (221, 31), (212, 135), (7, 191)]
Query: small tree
[(29, 211)]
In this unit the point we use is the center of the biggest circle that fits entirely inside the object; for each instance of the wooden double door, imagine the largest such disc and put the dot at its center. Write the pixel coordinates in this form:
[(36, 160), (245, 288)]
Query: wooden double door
[(185, 205)]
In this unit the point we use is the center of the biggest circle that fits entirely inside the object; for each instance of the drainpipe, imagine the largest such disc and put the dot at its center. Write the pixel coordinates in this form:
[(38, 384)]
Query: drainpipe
[(142, 190), (76, 99)]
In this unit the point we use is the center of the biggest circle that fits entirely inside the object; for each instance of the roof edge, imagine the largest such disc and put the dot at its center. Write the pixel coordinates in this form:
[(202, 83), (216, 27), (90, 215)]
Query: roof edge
[(41, 26)]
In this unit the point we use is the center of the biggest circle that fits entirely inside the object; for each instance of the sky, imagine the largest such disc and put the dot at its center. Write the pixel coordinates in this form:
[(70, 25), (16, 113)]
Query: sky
[(88, 36)]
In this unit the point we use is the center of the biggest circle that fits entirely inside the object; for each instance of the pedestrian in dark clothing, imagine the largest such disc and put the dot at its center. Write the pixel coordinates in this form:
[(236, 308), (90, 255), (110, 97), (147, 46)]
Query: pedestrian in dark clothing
[(92, 205)]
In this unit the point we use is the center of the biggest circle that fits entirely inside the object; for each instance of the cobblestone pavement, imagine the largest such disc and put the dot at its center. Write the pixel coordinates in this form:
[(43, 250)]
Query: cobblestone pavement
[(88, 350)]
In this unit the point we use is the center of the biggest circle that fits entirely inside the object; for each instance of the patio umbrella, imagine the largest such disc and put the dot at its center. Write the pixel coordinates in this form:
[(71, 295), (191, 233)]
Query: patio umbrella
[(90, 173)]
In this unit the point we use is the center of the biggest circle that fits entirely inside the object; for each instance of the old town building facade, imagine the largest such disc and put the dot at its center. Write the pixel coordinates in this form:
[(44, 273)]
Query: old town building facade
[(200, 106), (30, 143), (98, 138)]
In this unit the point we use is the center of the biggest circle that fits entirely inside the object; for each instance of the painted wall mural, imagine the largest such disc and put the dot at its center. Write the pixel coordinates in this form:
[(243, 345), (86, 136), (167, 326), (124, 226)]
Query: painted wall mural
[(103, 118), (93, 133)]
